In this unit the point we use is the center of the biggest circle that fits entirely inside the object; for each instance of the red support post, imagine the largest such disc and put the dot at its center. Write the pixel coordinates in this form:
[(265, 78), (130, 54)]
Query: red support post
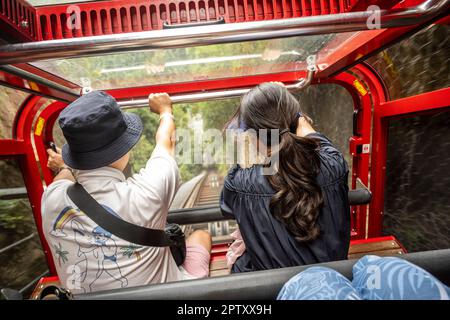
[(366, 89), (30, 169), (11, 148), (43, 134)]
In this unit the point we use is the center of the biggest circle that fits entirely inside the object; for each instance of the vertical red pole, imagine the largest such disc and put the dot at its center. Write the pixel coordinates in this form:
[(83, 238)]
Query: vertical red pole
[(378, 171), (30, 170)]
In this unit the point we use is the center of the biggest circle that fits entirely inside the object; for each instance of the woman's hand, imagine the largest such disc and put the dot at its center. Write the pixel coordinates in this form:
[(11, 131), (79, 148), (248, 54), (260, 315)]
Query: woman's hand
[(55, 161), (160, 103), (304, 126), (281, 84)]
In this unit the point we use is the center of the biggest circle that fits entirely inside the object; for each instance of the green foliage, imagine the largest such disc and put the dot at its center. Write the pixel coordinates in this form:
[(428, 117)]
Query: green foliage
[(214, 115), (183, 65), (15, 215), (141, 153)]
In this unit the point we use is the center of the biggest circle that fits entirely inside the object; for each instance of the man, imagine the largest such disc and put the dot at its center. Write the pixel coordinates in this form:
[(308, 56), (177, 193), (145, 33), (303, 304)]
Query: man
[(99, 139)]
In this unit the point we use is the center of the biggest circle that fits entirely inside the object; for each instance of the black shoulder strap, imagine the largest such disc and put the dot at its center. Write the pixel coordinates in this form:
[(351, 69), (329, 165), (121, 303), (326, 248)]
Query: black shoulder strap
[(118, 227)]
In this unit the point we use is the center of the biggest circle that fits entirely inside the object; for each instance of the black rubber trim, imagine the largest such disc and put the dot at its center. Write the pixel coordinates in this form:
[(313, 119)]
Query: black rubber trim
[(212, 213)]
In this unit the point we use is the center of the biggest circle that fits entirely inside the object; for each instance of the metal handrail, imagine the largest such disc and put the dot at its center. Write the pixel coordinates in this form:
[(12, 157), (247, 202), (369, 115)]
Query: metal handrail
[(212, 95), (13, 193), (40, 80), (15, 244), (34, 281), (213, 213), (217, 34)]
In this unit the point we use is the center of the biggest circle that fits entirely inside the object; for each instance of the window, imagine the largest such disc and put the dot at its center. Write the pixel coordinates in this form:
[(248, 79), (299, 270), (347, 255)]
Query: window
[(417, 189), (21, 255), (330, 106), (418, 64), (194, 63)]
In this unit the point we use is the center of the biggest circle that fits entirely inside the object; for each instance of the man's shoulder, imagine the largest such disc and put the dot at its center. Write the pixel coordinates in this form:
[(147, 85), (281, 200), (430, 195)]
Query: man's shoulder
[(54, 195), (59, 186)]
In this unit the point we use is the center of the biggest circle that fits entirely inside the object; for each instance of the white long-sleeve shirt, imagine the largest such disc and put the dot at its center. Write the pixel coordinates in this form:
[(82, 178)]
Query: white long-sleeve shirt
[(89, 258)]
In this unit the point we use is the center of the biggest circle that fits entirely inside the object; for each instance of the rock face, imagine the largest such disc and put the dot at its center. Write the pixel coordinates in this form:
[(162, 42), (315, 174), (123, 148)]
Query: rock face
[(10, 101)]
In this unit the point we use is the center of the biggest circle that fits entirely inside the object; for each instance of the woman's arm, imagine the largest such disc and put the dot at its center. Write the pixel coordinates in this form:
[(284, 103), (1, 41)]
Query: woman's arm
[(304, 127)]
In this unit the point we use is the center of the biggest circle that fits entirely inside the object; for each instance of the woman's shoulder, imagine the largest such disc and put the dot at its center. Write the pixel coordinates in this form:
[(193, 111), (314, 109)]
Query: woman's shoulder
[(251, 181), (333, 165)]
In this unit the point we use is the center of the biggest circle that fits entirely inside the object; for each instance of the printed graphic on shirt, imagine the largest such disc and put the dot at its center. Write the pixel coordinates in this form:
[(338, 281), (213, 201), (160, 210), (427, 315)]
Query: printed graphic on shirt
[(131, 250), (61, 254), (96, 255)]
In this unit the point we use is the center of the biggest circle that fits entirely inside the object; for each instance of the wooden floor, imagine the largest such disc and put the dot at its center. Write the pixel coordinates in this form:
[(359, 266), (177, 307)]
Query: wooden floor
[(383, 246)]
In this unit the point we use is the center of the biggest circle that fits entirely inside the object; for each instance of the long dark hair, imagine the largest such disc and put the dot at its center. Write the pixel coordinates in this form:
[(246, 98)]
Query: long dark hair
[(298, 197)]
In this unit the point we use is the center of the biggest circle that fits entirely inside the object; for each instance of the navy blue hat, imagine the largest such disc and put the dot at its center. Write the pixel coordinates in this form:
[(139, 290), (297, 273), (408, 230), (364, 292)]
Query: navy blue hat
[(97, 131)]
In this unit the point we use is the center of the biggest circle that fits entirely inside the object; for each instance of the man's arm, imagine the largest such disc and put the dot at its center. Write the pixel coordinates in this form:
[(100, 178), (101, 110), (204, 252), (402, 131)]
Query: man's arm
[(56, 164), (161, 104)]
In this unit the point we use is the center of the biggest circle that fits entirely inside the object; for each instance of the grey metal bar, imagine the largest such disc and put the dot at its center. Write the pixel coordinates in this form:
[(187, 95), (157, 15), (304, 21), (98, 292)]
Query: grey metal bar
[(34, 281), (213, 213), (216, 34), (13, 193), (15, 244), (211, 95), (258, 285), (195, 215), (16, 87), (35, 78)]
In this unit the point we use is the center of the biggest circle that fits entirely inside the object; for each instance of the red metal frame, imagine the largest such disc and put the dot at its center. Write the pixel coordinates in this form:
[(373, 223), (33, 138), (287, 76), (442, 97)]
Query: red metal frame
[(365, 87), (214, 84), (363, 83), (49, 76), (434, 101), (11, 148), (16, 82), (43, 133), (18, 20), (107, 17), (21, 148)]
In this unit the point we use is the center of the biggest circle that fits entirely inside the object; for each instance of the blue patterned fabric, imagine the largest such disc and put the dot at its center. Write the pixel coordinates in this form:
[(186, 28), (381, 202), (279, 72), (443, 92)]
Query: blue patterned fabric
[(392, 278), (318, 283), (374, 278)]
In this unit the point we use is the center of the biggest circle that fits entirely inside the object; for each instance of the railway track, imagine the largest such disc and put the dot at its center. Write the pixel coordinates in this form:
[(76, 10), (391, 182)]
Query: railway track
[(207, 194)]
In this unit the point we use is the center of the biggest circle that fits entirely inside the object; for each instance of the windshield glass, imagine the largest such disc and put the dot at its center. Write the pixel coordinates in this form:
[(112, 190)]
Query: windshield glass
[(151, 67)]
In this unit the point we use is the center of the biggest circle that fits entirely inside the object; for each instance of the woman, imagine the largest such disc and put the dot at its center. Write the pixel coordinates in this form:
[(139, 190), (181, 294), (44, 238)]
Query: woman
[(299, 215)]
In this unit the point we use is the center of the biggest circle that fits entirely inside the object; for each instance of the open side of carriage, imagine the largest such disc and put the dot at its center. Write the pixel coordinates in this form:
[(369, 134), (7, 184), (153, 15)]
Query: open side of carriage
[(142, 47)]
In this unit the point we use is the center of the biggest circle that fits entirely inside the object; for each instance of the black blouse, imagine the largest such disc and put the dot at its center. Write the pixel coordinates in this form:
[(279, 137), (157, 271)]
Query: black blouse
[(246, 197)]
